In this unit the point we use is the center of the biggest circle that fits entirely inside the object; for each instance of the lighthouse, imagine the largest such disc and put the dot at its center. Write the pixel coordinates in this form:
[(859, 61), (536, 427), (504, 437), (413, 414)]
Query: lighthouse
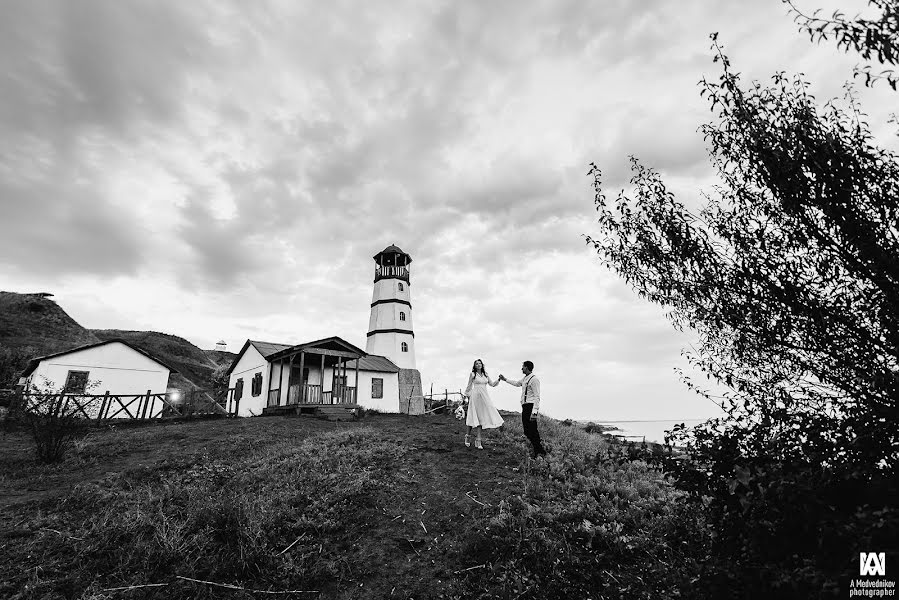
[(390, 331)]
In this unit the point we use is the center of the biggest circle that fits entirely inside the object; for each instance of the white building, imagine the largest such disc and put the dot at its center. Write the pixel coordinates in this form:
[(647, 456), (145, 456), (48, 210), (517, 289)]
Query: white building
[(271, 378), (114, 366), (390, 331)]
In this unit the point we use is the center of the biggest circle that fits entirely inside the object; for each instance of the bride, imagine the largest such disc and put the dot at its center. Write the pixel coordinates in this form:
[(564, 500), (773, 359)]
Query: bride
[(481, 412)]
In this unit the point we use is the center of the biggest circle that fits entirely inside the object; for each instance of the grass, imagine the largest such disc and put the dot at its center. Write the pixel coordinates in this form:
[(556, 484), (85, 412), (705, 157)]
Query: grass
[(389, 506)]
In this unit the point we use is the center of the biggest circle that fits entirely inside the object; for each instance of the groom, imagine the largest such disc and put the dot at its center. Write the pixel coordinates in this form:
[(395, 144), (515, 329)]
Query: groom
[(530, 405)]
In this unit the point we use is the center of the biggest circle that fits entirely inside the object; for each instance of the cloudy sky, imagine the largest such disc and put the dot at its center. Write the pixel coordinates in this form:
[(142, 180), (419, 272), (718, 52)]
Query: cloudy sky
[(226, 170)]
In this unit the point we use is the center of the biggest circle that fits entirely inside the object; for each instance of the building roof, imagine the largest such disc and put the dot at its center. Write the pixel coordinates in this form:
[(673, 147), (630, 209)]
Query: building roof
[(271, 351), (266, 349), (333, 342), (373, 362), (393, 249), (36, 361)]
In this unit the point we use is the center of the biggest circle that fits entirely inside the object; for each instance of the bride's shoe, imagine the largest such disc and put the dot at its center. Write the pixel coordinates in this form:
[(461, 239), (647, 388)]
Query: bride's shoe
[(467, 441), (477, 444)]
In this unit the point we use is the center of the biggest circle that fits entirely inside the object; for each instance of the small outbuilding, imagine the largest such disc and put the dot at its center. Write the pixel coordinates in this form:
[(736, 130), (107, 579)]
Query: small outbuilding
[(116, 366)]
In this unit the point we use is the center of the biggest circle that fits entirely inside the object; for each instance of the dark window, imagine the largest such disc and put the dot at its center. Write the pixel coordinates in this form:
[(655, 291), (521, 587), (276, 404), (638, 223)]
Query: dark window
[(377, 387), (404, 347), (76, 382), (238, 389), (401, 287), (257, 384), (402, 316)]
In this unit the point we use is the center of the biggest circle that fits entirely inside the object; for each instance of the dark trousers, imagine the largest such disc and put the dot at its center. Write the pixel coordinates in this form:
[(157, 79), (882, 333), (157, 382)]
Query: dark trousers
[(530, 429)]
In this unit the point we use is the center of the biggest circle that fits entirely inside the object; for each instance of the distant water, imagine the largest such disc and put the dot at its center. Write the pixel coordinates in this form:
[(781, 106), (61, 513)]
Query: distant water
[(654, 431)]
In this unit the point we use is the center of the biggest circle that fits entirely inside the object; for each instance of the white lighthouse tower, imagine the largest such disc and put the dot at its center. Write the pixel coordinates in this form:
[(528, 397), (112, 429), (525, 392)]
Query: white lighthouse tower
[(390, 330)]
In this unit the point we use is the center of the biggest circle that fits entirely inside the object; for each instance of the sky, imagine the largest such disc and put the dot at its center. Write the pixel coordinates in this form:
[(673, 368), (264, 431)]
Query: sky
[(227, 170)]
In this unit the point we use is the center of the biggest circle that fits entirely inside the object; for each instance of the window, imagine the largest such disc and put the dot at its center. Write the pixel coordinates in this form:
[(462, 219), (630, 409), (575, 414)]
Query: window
[(238, 389), (404, 347), (402, 316), (257, 384), (401, 286), (76, 382), (377, 387)]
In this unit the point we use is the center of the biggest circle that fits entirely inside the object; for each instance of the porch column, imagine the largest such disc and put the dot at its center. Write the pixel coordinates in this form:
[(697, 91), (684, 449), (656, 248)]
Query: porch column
[(280, 380), (268, 392), (302, 398), (343, 381), (322, 398), (356, 385), (290, 375)]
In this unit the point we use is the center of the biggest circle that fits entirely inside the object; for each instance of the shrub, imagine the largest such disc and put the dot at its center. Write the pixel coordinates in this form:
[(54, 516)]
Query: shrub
[(54, 425)]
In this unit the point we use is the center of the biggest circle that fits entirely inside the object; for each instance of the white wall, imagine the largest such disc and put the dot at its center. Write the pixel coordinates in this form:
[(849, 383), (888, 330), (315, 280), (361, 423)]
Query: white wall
[(390, 345), (387, 316), (391, 400), (113, 367), (250, 363)]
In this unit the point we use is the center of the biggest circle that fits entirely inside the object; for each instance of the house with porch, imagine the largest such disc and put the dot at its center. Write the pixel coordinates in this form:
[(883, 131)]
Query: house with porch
[(270, 378)]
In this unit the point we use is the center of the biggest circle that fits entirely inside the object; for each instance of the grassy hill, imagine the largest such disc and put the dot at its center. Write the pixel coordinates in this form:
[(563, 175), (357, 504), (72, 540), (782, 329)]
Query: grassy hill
[(34, 325), (37, 322), (391, 506)]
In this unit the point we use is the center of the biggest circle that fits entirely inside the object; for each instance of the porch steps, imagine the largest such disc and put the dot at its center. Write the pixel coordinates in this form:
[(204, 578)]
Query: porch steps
[(335, 412), (331, 412)]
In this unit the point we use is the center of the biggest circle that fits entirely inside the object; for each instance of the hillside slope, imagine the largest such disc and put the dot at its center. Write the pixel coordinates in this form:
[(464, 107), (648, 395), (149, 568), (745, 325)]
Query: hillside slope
[(34, 325), (391, 506), (35, 321)]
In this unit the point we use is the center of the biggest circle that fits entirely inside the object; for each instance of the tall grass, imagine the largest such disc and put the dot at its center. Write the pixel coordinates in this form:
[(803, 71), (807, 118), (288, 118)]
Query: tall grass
[(586, 523), (219, 521)]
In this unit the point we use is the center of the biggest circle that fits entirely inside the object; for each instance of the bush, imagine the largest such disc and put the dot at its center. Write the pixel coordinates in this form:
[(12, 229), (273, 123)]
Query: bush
[(54, 425)]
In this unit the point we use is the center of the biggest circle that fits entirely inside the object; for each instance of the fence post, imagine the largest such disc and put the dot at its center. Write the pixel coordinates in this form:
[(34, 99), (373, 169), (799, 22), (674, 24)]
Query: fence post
[(143, 414), (103, 407)]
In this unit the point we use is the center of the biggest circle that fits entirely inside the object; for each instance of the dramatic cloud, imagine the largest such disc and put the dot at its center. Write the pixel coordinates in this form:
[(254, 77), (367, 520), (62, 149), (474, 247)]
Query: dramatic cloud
[(227, 169)]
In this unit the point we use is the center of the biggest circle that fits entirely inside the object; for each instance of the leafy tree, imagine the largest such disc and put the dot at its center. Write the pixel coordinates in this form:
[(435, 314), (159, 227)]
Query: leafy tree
[(874, 39), (789, 275), (220, 379), (12, 362)]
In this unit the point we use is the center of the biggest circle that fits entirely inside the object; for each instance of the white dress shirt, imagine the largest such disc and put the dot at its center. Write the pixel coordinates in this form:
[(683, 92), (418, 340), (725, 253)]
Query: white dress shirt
[(530, 392)]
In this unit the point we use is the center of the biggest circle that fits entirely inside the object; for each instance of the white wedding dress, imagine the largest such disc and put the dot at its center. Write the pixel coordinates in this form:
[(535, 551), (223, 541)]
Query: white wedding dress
[(481, 411)]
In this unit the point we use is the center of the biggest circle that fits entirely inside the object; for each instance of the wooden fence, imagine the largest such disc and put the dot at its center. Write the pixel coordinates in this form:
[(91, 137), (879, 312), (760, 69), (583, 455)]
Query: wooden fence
[(105, 407), (434, 402)]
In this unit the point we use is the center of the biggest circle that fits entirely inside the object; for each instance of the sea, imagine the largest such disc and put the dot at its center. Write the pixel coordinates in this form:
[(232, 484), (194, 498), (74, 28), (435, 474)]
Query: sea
[(653, 431)]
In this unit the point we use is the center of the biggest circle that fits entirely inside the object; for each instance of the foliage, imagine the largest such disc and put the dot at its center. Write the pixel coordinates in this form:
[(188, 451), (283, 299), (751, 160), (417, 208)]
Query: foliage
[(592, 520), (13, 361), (874, 39), (55, 421), (789, 275), (220, 379)]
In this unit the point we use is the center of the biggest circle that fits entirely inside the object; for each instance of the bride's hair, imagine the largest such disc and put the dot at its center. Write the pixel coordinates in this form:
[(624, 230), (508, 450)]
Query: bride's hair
[(474, 368)]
